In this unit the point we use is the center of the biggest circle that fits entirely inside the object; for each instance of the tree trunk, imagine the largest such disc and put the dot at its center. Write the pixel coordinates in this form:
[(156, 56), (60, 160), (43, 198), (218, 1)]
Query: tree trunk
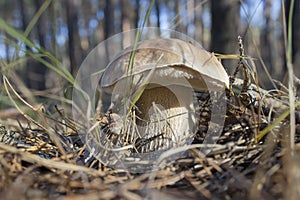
[(295, 33), (295, 36), (179, 20), (225, 29), (157, 10), (34, 77), (38, 70), (137, 13), (109, 19), (53, 17), (267, 36), (74, 48), (7, 15), (198, 34), (127, 21)]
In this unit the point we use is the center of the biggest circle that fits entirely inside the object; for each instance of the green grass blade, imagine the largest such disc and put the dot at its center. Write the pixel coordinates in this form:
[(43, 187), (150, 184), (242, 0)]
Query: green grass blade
[(36, 17), (60, 69), (132, 56), (284, 115)]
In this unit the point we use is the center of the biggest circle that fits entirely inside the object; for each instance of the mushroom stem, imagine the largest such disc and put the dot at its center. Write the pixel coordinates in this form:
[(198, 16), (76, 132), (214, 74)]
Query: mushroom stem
[(159, 95), (160, 112)]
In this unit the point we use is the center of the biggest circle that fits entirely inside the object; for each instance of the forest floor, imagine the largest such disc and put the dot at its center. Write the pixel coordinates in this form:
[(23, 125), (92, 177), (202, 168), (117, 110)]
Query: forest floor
[(47, 160)]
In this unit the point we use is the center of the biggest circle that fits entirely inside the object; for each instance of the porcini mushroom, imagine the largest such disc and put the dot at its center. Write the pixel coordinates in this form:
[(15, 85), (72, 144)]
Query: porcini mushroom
[(163, 76)]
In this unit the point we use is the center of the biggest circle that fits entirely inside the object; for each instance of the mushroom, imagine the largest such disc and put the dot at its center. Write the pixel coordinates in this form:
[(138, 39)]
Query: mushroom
[(161, 82)]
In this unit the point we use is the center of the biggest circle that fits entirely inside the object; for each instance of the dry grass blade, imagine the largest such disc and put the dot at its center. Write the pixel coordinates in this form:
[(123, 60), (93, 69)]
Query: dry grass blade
[(38, 110), (43, 154), (49, 163), (191, 178)]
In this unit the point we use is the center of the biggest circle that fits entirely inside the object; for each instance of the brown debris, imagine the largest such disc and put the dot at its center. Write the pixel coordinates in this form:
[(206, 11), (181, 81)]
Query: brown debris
[(32, 167)]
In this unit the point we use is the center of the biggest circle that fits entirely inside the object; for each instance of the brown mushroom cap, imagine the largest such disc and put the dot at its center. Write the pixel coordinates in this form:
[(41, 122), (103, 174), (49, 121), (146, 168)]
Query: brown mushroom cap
[(172, 59)]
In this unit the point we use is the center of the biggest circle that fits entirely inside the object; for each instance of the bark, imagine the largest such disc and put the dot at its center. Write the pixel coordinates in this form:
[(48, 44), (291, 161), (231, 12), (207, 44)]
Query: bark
[(137, 13), (6, 14), (198, 34), (74, 49), (295, 33), (157, 10), (225, 28), (53, 10), (38, 70), (179, 20), (127, 22), (267, 36), (33, 78), (109, 19)]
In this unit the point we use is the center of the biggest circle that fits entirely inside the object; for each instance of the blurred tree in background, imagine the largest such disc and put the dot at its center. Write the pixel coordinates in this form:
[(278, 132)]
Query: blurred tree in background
[(69, 29), (225, 27)]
